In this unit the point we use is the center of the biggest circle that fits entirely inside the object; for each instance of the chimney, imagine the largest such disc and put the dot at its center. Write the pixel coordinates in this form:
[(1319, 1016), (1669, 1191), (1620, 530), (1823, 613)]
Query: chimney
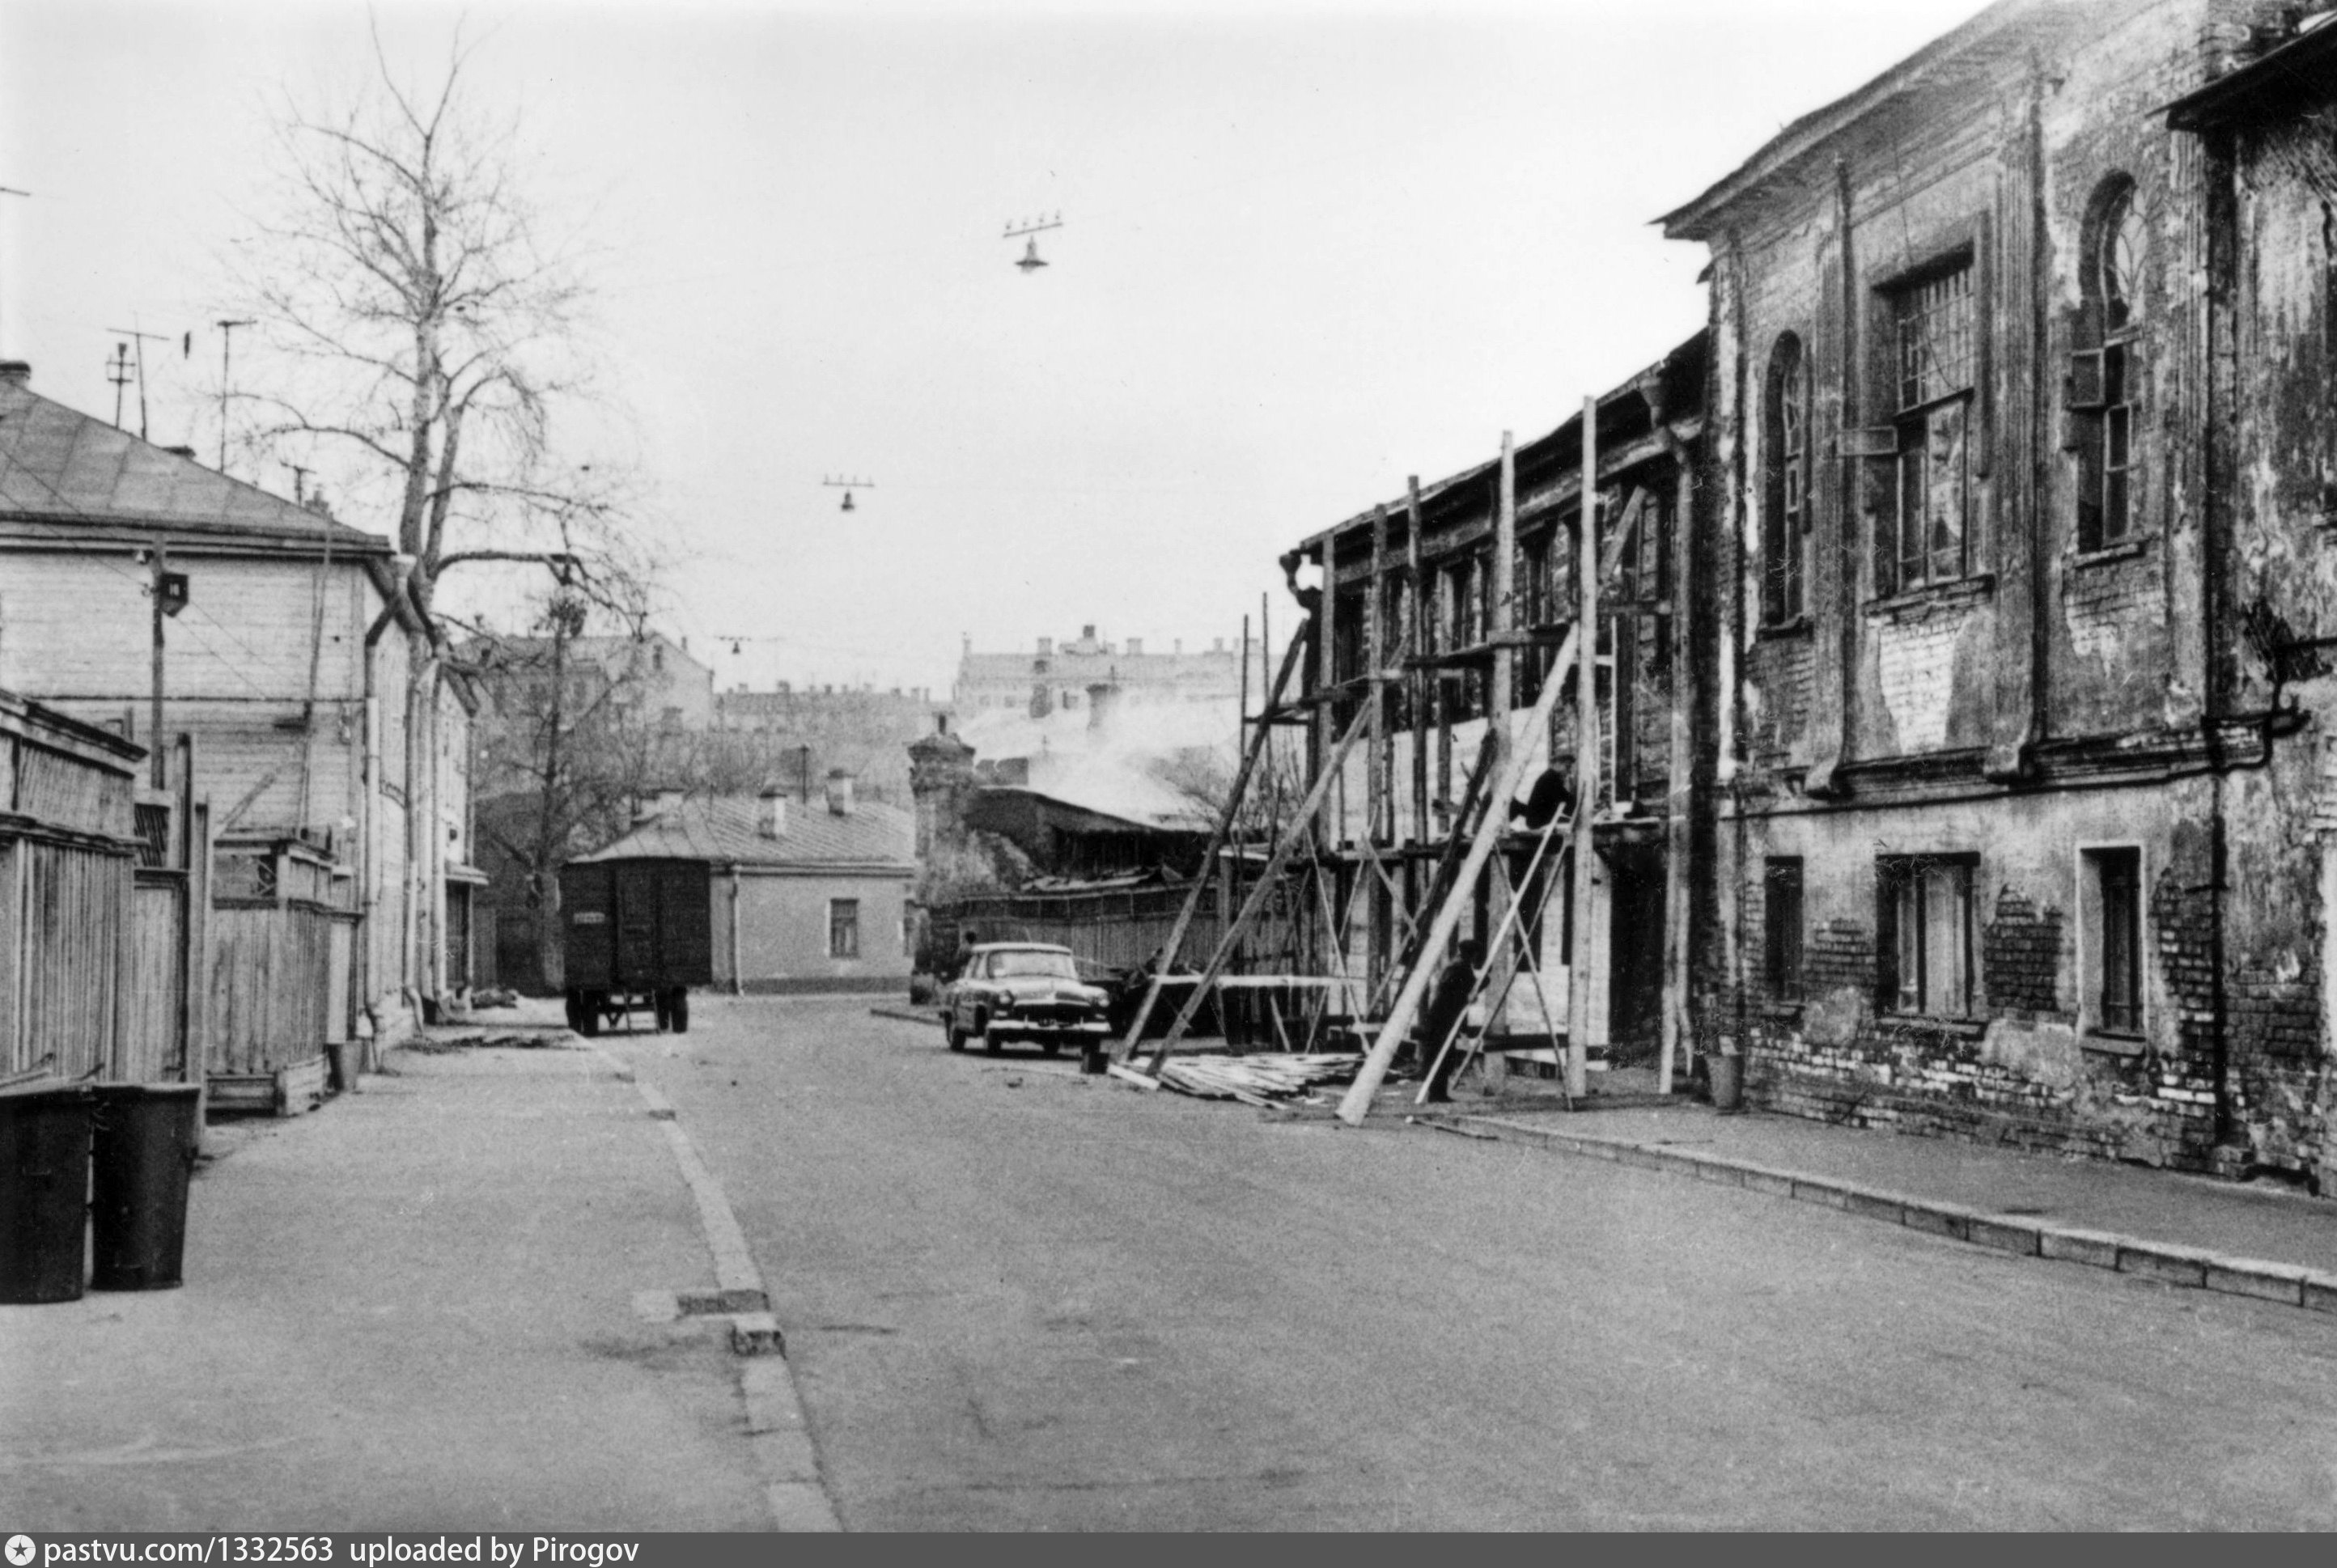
[(771, 812), (1103, 707), (14, 372), (839, 793), (1087, 633), (668, 802), (180, 451)]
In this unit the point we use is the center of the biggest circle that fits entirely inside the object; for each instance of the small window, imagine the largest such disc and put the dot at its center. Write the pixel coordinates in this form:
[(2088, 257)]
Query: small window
[(1785, 514), (2111, 908), (1924, 921), (1780, 929), (1925, 532), (843, 928)]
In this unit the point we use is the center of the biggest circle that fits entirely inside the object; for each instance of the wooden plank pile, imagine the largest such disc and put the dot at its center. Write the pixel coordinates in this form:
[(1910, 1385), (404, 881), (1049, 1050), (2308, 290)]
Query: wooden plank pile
[(1254, 1080)]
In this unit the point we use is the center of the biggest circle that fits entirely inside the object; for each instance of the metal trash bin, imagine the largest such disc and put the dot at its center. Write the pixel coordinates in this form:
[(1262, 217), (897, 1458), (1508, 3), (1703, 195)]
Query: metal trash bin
[(1726, 1073), (44, 1194), (142, 1151)]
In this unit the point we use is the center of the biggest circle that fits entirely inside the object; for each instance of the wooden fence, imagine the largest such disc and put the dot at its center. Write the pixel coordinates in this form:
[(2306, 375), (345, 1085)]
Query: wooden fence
[(1117, 929), (66, 862), (279, 990)]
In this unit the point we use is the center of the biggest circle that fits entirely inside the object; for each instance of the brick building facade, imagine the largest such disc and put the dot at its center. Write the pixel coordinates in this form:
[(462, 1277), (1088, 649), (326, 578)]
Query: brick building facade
[(2021, 421)]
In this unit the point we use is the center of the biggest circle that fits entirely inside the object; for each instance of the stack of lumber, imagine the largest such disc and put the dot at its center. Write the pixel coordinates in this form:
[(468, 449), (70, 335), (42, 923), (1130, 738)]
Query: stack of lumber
[(1254, 1080)]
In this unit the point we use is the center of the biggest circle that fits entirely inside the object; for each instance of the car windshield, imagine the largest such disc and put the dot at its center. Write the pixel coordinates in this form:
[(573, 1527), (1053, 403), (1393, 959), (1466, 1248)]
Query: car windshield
[(1057, 966)]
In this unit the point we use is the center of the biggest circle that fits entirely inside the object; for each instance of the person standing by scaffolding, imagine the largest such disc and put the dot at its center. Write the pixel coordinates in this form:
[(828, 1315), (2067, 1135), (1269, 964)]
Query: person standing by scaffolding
[(1441, 1020)]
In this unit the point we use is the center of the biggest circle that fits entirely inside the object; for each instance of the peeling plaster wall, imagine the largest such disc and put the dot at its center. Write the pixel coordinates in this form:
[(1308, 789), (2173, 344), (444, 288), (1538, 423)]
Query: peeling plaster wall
[(2009, 717)]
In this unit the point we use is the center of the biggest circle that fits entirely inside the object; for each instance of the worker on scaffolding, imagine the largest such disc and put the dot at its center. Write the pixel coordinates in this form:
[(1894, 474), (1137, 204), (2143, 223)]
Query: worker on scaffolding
[(1441, 1020)]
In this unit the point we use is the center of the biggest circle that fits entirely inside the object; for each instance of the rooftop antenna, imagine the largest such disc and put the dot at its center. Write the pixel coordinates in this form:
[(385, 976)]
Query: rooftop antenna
[(1032, 260), (300, 483), (117, 371), (187, 346), (227, 344), (847, 486)]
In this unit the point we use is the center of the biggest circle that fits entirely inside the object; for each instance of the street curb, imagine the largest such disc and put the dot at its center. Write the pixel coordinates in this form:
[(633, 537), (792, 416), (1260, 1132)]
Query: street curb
[(2170, 1262), (904, 1015), (778, 1438)]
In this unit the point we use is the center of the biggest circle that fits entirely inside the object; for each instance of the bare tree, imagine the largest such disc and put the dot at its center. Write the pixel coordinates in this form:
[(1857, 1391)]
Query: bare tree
[(421, 333), (570, 745)]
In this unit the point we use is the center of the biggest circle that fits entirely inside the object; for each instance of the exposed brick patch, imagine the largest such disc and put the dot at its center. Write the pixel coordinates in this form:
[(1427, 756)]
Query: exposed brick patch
[(2020, 958), (1840, 956)]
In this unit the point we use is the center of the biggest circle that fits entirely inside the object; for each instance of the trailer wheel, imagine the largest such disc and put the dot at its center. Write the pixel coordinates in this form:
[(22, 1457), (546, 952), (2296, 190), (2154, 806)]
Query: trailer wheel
[(1051, 1045), (575, 1013), (662, 1011), (588, 1014), (678, 1009)]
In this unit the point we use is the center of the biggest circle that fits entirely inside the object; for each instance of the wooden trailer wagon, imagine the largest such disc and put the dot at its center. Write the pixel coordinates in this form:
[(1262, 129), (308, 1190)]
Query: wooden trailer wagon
[(638, 934)]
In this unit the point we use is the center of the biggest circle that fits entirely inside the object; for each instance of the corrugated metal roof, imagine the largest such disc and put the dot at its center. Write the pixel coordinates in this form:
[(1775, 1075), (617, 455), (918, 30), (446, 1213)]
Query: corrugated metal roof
[(58, 465), (722, 832)]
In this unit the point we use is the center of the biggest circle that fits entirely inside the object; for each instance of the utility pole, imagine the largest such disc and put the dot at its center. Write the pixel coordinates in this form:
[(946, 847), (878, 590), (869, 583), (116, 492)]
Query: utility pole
[(169, 590), (227, 347)]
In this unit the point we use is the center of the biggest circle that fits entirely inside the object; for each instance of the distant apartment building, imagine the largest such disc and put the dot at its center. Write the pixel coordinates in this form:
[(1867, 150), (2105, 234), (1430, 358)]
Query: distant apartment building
[(1058, 676), (803, 732)]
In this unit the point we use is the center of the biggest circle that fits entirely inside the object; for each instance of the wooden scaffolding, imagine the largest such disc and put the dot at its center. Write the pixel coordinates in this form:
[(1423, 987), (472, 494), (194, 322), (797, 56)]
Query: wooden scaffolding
[(1405, 646)]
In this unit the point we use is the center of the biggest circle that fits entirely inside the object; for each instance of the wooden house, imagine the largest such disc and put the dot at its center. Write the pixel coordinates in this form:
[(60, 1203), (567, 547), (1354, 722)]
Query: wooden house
[(807, 898), (310, 694)]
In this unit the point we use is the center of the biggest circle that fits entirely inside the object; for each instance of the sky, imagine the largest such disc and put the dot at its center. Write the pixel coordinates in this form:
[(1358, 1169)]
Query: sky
[(1307, 249)]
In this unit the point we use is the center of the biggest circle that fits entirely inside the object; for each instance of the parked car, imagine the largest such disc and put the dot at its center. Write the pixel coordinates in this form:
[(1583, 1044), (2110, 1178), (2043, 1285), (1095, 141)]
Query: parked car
[(1024, 992)]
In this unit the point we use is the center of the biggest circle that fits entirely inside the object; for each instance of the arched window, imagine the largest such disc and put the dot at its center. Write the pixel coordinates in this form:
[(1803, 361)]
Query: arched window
[(1785, 470), (2105, 379)]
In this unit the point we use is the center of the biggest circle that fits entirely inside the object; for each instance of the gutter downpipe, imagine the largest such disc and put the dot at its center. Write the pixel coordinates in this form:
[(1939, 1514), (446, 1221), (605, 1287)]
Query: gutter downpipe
[(369, 822)]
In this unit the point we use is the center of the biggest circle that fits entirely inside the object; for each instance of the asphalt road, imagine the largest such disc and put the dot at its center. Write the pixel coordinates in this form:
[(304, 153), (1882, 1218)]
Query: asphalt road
[(1019, 1299)]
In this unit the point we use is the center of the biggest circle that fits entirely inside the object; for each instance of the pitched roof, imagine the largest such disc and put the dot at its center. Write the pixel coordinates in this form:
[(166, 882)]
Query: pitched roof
[(2007, 31), (59, 466), (2298, 74), (722, 832)]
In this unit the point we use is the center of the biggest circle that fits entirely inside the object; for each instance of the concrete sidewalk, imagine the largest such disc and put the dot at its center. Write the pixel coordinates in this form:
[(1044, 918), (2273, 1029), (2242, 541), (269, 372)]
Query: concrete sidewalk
[(2265, 1241), (418, 1308)]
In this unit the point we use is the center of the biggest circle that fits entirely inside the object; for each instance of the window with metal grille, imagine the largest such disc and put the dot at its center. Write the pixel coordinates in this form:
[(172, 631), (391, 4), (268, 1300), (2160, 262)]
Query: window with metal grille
[(1935, 338), (1784, 464), (1780, 929), (843, 928), (1924, 917)]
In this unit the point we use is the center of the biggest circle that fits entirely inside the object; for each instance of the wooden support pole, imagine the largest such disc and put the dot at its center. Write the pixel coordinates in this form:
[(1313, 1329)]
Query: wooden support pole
[(1258, 894), (1500, 620), (1217, 837), (1585, 757), (1377, 792), (1357, 1104), (1417, 643)]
